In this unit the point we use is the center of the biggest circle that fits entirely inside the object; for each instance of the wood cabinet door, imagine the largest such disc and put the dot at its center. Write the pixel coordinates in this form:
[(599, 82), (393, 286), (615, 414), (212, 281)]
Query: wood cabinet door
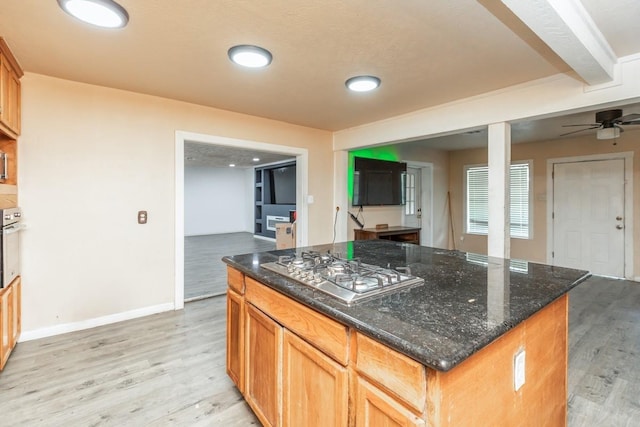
[(6, 324), (9, 96), (375, 408), (263, 358), (315, 388), (5, 78), (17, 309), (13, 95), (235, 338)]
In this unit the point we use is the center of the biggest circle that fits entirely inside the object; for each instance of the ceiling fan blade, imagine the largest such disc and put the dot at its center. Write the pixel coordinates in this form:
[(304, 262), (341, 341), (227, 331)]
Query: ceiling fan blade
[(580, 130), (620, 127), (585, 124), (629, 119)]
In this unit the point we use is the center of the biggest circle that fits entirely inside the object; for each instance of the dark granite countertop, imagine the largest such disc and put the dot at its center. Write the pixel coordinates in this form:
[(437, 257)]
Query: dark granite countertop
[(466, 302)]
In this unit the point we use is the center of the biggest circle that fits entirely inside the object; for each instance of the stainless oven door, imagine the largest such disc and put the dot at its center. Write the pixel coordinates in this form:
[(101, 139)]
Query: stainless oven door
[(10, 253)]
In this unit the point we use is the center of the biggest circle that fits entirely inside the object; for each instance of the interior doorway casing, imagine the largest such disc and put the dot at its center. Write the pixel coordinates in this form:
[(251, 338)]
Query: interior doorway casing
[(628, 203), (426, 200), (302, 184)]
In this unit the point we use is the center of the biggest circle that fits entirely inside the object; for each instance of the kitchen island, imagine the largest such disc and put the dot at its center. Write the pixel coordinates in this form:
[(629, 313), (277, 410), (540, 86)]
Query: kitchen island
[(441, 353)]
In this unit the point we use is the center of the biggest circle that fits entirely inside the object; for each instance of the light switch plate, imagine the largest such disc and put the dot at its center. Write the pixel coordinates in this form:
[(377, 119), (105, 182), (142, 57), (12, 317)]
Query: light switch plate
[(518, 370)]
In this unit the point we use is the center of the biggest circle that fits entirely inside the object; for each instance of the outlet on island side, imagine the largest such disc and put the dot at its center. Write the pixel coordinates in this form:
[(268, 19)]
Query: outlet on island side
[(518, 370)]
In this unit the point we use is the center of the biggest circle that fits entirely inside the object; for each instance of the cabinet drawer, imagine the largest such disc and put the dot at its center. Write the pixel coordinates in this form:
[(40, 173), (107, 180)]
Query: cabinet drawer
[(326, 334), (235, 280), (373, 407), (398, 374)]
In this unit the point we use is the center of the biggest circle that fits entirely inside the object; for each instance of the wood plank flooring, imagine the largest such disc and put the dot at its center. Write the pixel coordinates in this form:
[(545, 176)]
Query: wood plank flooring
[(204, 272), (169, 368), (165, 369), (604, 353)]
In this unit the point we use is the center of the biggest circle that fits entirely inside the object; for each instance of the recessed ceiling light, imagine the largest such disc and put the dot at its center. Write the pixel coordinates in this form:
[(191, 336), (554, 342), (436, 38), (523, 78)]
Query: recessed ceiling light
[(232, 165), (250, 56), (255, 159), (102, 13), (362, 83)]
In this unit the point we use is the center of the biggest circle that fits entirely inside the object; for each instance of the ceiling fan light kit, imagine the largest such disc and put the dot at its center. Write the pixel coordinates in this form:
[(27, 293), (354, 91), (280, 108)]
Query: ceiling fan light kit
[(101, 13), (608, 124), (608, 133)]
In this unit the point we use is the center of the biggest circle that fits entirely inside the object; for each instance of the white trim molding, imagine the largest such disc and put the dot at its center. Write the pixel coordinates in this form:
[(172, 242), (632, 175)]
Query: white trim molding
[(627, 156), (426, 199), (92, 323), (302, 192)]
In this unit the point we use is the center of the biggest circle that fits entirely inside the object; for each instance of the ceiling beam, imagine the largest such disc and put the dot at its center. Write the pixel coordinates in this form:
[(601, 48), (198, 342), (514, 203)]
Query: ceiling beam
[(568, 29)]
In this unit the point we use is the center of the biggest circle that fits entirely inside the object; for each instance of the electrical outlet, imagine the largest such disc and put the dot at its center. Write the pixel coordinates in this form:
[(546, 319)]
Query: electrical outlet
[(518, 370), (142, 217)]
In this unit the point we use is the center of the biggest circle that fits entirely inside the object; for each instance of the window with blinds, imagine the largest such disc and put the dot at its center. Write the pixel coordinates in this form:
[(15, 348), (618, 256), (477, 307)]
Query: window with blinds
[(477, 199)]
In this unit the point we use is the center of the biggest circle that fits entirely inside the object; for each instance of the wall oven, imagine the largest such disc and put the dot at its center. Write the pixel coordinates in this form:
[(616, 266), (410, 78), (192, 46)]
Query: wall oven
[(10, 227)]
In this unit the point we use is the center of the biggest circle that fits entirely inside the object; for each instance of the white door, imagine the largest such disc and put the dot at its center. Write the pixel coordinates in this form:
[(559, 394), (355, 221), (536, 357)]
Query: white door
[(588, 216), (413, 204)]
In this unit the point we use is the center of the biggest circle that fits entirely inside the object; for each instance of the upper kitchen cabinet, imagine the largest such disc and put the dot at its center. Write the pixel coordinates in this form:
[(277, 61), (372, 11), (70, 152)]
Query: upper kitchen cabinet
[(10, 74)]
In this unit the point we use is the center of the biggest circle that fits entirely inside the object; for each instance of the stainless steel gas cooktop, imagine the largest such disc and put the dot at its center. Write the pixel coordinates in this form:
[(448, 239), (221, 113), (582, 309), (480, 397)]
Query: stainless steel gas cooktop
[(349, 280)]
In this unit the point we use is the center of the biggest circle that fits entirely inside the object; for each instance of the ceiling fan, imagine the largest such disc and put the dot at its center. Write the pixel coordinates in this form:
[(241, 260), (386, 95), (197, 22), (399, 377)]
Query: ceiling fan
[(609, 124)]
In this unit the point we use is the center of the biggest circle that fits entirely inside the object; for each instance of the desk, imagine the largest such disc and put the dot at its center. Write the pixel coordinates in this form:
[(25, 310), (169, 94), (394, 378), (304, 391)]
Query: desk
[(395, 233)]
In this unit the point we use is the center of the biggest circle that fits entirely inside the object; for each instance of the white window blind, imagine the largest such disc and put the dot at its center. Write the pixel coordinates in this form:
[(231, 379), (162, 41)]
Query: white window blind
[(519, 200), (477, 197)]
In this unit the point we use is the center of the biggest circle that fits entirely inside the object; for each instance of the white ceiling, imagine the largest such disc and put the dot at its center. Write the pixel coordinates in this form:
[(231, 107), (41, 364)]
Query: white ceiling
[(220, 156), (426, 53)]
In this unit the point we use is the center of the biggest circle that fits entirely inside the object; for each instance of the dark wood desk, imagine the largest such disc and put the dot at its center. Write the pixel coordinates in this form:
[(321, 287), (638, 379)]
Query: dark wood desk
[(395, 233)]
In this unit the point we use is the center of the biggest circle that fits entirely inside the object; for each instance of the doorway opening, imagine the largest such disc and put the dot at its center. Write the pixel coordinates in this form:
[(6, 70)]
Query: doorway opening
[(301, 158)]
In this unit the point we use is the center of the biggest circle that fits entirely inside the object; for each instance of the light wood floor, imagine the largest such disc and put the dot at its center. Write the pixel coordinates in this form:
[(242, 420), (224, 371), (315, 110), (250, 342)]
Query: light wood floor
[(205, 275), (165, 369), (604, 353), (169, 368)]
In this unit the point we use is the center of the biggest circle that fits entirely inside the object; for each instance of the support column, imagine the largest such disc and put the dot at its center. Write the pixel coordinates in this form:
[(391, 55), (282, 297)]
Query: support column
[(499, 240), (498, 291)]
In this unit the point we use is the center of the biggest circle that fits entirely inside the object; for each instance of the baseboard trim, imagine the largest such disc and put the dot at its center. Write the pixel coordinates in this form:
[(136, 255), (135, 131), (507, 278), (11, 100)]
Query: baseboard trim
[(92, 323)]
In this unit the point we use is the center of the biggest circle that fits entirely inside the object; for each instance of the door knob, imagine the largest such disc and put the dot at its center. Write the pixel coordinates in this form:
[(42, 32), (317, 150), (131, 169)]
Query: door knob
[(619, 227), (619, 218)]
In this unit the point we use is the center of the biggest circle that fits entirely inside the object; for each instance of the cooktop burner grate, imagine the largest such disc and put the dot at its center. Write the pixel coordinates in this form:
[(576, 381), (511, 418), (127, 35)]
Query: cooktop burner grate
[(349, 280)]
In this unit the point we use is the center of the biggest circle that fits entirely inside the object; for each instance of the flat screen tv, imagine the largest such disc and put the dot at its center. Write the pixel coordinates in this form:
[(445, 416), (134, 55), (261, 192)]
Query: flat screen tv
[(282, 181), (378, 182)]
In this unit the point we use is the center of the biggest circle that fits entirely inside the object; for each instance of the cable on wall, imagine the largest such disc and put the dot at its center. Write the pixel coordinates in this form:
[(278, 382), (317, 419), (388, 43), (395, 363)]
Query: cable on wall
[(335, 221)]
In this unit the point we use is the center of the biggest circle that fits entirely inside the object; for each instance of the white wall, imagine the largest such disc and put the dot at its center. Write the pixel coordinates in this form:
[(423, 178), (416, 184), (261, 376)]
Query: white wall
[(217, 200), (90, 157)]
